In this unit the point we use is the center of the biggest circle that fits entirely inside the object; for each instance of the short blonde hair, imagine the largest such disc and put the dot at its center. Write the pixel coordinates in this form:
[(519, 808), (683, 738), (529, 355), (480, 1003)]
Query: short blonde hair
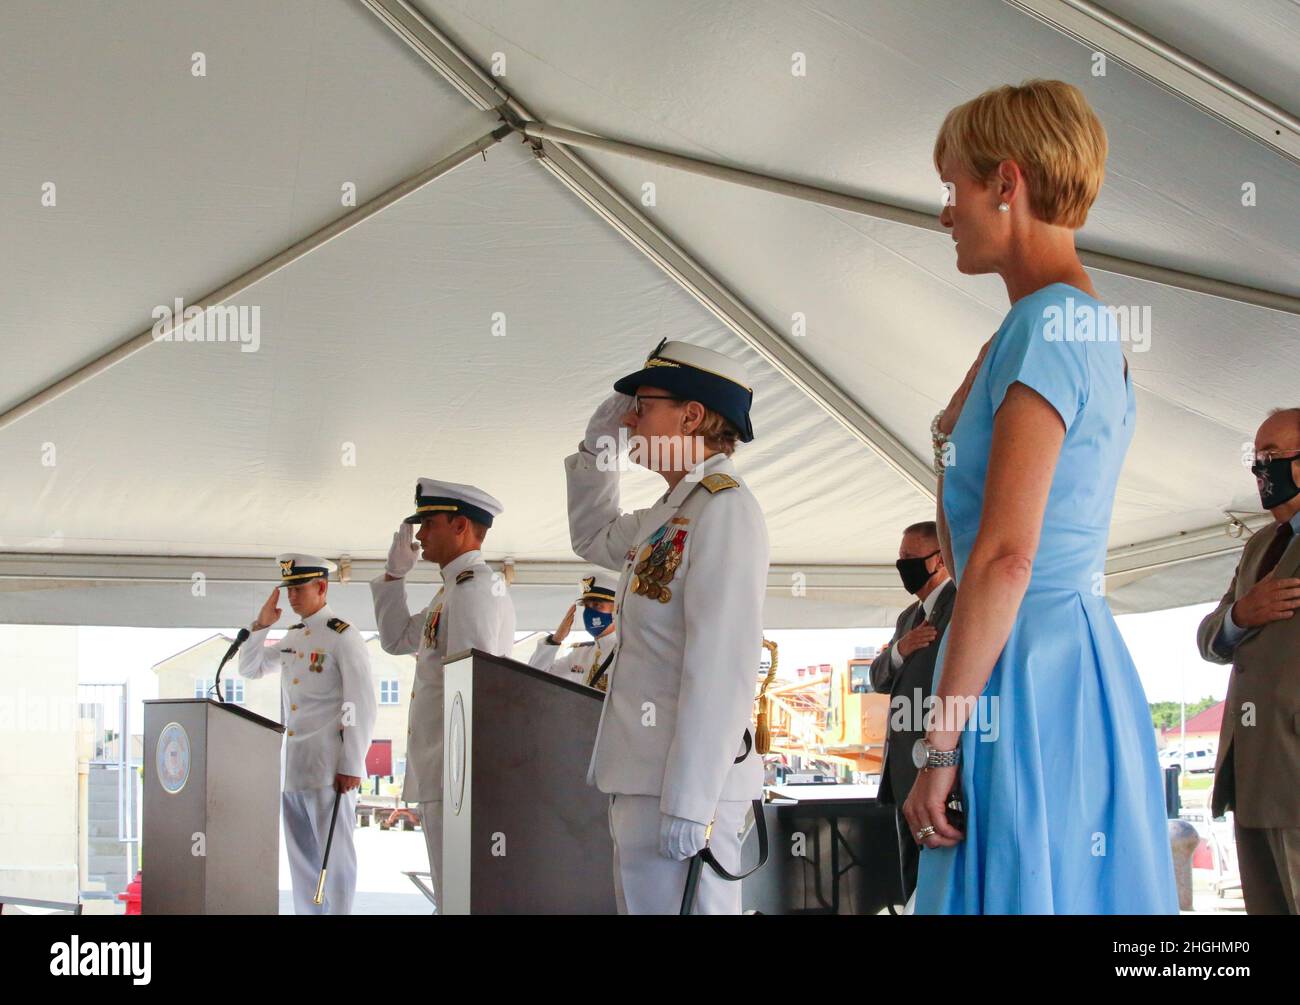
[(1048, 128), (718, 433)]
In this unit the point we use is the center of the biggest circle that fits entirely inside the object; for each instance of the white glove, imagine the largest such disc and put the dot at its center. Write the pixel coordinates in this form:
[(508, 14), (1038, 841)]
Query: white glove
[(679, 838), (402, 555), (605, 424)]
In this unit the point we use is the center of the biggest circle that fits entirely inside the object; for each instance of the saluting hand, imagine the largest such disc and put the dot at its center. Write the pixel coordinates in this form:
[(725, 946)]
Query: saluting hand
[(1270, 599), (561, 633), (605, 422), (402, 552), (270, 612)]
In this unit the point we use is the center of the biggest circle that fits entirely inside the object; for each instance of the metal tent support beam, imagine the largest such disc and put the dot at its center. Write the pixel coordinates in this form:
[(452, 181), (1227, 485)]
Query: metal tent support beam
[(1123, 562), (17, 568), (454, 65), (464, 74), (1145, 271), (437, 49), (1188, 78), (256, 274), (1175, 549)]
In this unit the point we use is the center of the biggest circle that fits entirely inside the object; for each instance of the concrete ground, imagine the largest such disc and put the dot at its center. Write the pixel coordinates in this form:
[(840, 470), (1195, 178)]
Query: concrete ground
[(382, 856), (1206, 901)]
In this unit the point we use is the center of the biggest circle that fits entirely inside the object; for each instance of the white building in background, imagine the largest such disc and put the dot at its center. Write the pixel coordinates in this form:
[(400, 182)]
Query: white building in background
[(190, 674), (42, 786)]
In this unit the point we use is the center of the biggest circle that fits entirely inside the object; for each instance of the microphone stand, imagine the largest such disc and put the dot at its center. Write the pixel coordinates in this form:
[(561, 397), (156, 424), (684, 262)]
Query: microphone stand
[(240, 639)]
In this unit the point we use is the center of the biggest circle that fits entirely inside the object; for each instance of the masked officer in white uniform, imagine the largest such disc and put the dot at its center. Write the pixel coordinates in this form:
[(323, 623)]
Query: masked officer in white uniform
[(328, 703), (473, 610), (587, 662), (674, 747)]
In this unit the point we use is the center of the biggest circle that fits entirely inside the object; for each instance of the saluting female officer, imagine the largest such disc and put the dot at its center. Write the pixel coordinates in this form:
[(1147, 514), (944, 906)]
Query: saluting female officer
[(674, 747)]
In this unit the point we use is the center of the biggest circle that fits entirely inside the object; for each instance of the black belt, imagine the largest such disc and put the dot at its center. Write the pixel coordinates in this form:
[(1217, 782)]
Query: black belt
[(705, 855)]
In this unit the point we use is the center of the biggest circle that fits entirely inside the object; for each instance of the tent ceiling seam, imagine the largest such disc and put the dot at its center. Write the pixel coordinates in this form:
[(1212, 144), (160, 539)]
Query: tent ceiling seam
[(451, 61), (1092, 25), (439, 51), (268, 267), (892, 213)]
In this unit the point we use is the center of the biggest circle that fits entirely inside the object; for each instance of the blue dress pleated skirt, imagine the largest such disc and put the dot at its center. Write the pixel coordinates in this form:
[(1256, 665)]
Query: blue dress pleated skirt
[(1061, 787)]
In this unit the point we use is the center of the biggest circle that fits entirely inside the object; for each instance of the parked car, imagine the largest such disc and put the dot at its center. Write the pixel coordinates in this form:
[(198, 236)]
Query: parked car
[(1195, 759)]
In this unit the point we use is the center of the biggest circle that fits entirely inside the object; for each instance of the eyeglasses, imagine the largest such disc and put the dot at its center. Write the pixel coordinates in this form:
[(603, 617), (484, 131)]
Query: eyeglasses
[(638, 398), (1263, 458)]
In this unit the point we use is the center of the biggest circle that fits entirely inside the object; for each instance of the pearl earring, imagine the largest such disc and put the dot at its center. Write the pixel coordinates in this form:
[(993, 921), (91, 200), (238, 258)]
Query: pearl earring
[(1004, 207)]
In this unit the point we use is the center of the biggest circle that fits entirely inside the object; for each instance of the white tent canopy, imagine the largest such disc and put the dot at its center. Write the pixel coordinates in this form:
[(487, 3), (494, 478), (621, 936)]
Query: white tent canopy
[(467, 330)]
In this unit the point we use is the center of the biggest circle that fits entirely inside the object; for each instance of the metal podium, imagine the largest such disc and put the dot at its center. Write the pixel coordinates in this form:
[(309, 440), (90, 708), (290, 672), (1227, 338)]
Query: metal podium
[(211, 835), (523, 832)]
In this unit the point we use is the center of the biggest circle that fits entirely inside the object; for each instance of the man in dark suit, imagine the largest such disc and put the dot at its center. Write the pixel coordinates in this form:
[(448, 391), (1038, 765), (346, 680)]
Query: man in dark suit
[(905, 670), (1255, 629)]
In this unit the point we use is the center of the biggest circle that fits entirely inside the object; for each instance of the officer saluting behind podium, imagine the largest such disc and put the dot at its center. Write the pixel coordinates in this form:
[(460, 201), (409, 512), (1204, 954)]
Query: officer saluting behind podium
[(328, 704), (588, 662), (674, 748), (469, 612)]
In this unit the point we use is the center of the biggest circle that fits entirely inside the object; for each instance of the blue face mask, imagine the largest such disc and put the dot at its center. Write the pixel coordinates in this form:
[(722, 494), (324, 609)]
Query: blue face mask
[(596, 621)]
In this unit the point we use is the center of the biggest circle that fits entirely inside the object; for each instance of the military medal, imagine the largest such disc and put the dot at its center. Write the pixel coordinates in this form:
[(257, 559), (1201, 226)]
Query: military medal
[(430, 636), (657, 563), (317, 663)]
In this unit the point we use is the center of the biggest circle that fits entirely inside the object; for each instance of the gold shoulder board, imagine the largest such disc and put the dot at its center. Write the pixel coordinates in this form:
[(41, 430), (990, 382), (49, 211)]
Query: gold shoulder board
[(465, 576), (718, 482), (337, 624)]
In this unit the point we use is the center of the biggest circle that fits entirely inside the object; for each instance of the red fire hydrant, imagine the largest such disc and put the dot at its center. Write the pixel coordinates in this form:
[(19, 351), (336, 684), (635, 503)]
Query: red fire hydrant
[(132, 894)]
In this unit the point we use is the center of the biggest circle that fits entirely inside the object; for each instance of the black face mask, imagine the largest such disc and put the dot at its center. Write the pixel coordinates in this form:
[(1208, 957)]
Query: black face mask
[(914, 573), (1276, 486)]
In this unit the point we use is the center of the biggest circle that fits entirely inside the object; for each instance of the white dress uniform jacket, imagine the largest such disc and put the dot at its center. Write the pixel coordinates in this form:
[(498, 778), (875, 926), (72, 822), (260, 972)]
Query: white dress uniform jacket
[(681, 690), (326, 688), (579, 662), (467, 613)]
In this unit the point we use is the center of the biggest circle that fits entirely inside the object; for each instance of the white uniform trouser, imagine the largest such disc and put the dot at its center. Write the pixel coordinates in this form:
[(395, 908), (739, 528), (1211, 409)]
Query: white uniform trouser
[(647, 883), (431, 823), (306, 828)]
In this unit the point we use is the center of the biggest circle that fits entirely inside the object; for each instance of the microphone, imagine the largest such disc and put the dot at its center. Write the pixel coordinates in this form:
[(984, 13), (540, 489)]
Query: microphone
[(234, 648)]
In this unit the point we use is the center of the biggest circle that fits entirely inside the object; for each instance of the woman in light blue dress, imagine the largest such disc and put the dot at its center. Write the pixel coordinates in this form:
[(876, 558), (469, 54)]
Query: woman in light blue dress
[(1038, 701)]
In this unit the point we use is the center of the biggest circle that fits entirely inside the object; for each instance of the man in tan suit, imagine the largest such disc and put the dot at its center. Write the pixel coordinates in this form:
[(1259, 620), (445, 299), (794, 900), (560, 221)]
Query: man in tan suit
[(1254, 628)]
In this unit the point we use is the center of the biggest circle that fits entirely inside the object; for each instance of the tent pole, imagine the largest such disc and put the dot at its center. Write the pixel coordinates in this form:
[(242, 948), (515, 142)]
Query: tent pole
[(254, 275), (898, 214), (454, 65), (1092, 25)]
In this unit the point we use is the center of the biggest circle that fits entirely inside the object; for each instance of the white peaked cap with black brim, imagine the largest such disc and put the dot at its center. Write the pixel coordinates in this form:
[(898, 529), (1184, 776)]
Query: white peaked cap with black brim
[(692, 373), (600, 586), (297, 568), (433, 496)]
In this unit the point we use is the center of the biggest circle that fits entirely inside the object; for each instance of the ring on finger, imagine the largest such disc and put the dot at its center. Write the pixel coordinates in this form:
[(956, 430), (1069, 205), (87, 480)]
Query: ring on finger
[(924, 833)]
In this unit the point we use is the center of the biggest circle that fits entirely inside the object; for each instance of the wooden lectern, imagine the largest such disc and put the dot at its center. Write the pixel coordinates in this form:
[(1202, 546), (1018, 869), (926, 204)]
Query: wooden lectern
[(211, 836), (523, 832)]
